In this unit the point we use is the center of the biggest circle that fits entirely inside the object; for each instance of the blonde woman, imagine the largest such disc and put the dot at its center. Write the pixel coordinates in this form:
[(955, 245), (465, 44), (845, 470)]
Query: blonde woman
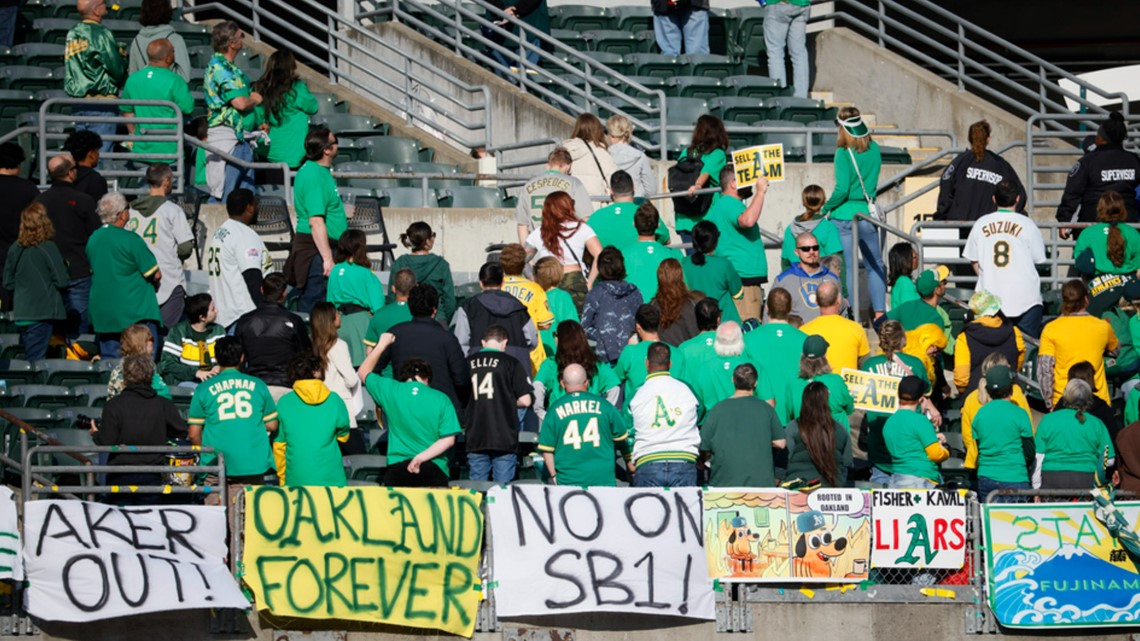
[(633, 161), (136, 340), (35, 273)]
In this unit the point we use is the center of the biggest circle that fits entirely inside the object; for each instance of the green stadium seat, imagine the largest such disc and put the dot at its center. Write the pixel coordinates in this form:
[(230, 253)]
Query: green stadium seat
[(754, 87), (10, 399), (701, 87), (107, 365), (348, 124), (181, 396), (28, 78), (368, 167), (128, 10), (365, 467), (18, 372), (194, 34), (33, 10), (823, 152), (619, 42), (53, 30), (471, 197), (444, 174), (829, 138), (91, 395), (474, 486), (75, 437), (895, 156), (273, 219), (675, 140), (38, 418), (635, 18), (356, 192), (651, 82), (60, 371), (10, 346), (328, 103), (740, 109), (748, 25), (200, 55), (44, 396), (395, 150), (580, 18), (39, 54), (684, 110), (790, 140), (803, 110), (410, 197), (612, 60), (709, 65), (653, 64)]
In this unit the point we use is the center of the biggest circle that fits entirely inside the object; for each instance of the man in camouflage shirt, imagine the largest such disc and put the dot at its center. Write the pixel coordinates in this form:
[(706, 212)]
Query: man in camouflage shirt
[(93, 67)]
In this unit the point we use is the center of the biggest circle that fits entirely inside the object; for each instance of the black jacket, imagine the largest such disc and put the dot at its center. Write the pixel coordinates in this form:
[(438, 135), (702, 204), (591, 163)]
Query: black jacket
[(270, 335), (966, 191), (425, 338), (496, 307), (139, 416), (90, 182), (1108, 167), (72, 213), (983, 341)]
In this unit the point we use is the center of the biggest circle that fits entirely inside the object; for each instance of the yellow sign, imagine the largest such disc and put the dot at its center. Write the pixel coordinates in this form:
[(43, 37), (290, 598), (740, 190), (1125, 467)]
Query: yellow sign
[(872, 392), (762, 160), (379, 554)]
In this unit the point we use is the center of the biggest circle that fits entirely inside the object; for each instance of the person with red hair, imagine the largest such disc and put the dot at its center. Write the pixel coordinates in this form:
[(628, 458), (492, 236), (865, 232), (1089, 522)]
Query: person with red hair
[(568, 239)]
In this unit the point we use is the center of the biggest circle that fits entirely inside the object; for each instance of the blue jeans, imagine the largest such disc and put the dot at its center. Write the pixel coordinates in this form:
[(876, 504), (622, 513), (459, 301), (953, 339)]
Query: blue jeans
[(76, 301), (509, 61), (872, 261), (1030, 322), (8, 18), (786, 24), (239, 177), (985, 486), (880, 477), (908, 482), (688, 27), (109, 345), (492, 466), (104, 129), (666, 474), (316, 286), (35, 339)]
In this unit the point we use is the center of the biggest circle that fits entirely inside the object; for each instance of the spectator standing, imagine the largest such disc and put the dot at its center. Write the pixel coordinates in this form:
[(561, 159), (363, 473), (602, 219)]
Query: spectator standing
[(1005, 248), (355, 291), (819, 448), (321, 219), (902, 260), (778, 346), (815, 369), (286, 105), (1073, 337), (710, 143), (712, 275), (157, 81), (966, 190), (93, 67), (590, 160), (711, 381), (18, 193), (9, 18), (136, 340), (1073, 446), (189, 354), (675, 301), (813, 221), (579, 434), (530, 12), (312, 421), (739, 434), (785, 26), (548, 274), (237, 260), (338, 373), (857, 165), (500, 389), (922, 322), (665, 417), (163, 227), (72, 213), (702, 347), (846, 339), (569, 240), (493, 306), (573, 348), (393, 313), (915, 448), (270, 336), (630, 368), (804, 277), (154, 18), (124, 278), (84, 146), (1004, 436), (1110, 246), (989, 332), (429, 269), (608, 314), (740, 240), (644, 256), (977, 399), (614, 223), (532, 197), (36, 275), (422, 423), (1107, 167), (512, 258), (1098, 408), (229, 100), (892, 362), (627, 158), (681, 23)]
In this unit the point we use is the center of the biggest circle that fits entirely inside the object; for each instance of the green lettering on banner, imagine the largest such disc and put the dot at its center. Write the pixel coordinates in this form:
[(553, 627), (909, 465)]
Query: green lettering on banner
[(916, 528)]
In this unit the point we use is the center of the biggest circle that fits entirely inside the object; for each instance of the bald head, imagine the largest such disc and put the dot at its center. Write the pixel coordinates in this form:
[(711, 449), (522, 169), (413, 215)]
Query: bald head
[(92, 9), (574, 378), (807, 251), (160, 53), (729, 339), (59, 167), (827, 297)]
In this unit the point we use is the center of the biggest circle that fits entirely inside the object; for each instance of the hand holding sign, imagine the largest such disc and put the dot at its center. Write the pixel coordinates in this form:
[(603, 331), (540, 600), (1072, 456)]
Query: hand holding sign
[(760, 162)]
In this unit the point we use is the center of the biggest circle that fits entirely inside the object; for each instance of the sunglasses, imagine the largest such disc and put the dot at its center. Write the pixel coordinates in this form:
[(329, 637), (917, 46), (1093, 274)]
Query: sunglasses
[(809, 248)]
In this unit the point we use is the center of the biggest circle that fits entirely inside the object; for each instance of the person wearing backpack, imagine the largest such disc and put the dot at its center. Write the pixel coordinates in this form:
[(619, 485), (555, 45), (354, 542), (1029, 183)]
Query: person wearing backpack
[(709, 145)]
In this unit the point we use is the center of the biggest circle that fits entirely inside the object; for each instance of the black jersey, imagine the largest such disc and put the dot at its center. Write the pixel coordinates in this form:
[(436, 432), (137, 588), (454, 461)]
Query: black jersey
[(498, 380)]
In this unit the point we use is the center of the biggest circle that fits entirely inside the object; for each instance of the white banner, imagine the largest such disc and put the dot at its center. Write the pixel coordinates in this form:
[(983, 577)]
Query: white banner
[(919, 529), (557, 550), (11, 566), (88, 561)]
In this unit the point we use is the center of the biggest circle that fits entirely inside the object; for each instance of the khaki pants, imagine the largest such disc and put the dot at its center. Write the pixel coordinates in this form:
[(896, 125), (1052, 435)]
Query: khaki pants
[(752, 304)]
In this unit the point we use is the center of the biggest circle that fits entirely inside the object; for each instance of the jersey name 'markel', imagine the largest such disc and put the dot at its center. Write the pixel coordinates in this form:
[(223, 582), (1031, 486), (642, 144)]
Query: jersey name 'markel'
[(1113, 175), (977, 173), (579, 407), (231, 383), (1002, 227)]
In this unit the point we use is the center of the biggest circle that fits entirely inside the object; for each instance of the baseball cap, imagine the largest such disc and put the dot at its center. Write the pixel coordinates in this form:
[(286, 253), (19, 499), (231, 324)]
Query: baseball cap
[(911, 388), (1132, 289), (811, 520), (942, 271), (984, 303), (854, 126), (998, 377), (928, 281), (815, 346)]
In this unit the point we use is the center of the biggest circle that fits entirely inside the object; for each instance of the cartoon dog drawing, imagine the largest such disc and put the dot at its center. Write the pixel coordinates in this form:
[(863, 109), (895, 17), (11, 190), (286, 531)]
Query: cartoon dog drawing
[(738, 547), (816, 548)]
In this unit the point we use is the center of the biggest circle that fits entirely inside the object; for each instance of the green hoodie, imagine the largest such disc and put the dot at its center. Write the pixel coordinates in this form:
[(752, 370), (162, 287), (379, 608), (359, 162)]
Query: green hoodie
[(311, 421), (430, 270)]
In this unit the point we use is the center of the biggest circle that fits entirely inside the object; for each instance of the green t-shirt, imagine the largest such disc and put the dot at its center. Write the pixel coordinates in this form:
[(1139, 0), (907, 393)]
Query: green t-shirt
[(824, 231), (315, 195), (352, 283), (630, 367), (602, 382), (838, 397), (385, 319), (1072, 446), (714, 383), (562, 306), (310, 432), (641, 261), (157, 83), (418, 416), (907, 434), (1095, 238), (778, 346), (998, 429), (582, 429), (739, 434), (873, 422), (288, 129), (614, 226), (718, 279), (121, 295), (233, 409), (744, 248), (711, 164), (695, 352), (902, 292), (915, 314)]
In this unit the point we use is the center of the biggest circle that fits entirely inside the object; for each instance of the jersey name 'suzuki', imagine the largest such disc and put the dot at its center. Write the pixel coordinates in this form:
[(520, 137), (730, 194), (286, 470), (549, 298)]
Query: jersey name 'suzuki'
[(1002, 227), (579, 407), (231, 383)]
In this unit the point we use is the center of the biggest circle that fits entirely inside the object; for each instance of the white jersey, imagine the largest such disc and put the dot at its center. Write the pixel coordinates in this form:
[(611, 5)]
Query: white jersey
[(163, 231), (665, 413), (234, 249), (1007, 246)]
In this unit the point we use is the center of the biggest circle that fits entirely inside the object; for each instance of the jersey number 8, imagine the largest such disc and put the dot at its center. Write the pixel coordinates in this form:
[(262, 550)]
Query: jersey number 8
[(575, 440), (1001, 253)]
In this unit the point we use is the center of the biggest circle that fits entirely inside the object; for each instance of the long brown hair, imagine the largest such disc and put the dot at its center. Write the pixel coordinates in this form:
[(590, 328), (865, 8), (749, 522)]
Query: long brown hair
[(813, 198), (35, 226), (892, 338), (858, 145), (672, 294), (1110, 209), (323, 321), (275, 84), (573, 348), (133, 340), (817, 431), (353, 247), (1074, 296), (709, 134), (979, 136), (557, 210), (589, 129)]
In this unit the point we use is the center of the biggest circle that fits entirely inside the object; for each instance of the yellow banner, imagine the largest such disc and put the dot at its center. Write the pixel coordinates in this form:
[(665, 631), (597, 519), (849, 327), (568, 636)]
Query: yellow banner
[(391, 555), (762, 160), (872, 392)]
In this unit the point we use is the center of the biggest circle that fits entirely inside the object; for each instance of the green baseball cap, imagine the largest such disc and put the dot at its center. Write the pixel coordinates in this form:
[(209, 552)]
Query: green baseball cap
[(815, 346), (998, 377), (928, 281)]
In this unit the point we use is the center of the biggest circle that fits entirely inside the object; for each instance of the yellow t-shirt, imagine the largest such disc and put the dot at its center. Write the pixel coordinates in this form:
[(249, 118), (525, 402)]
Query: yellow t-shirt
[(970, 409), (847, 340), (1075, 338), (534, 298)]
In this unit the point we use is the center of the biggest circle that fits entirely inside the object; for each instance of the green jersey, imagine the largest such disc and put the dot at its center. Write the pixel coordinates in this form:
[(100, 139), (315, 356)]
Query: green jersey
[(353, 284), (738, 432), (718, 279), (907, 434), (311, 421), (121, 295), (630, 367), (902, 292), (714, 382), (915, 314), (289, 126), (233, 409), (839, 400), (1069, 445), (315, 196), (93, 63), (778, 346), (641, 261), (547, 375), (383, 320), (743, 247), (562, 306), (998, 429), (581, 430), (157, 83), (614, 226), (418, 416), (899, 366)]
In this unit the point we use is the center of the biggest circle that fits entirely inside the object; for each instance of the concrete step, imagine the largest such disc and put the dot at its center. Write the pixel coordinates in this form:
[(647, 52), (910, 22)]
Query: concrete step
[(919, 154)]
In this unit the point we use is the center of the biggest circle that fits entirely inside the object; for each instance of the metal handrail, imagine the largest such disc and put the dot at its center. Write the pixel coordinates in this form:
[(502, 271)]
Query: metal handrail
[(26, 429), (1037, 128), (247, 164)]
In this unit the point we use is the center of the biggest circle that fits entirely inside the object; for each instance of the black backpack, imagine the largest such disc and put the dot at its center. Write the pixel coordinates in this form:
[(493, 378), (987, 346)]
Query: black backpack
[(683, 175)]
